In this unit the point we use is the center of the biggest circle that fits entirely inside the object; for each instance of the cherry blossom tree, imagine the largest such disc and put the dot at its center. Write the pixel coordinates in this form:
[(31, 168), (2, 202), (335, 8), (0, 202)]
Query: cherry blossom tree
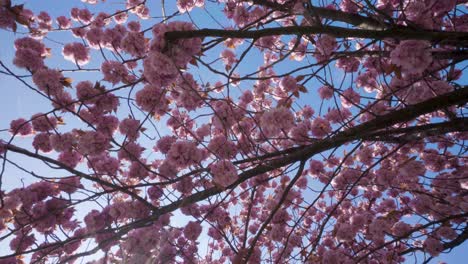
[(235, 131)]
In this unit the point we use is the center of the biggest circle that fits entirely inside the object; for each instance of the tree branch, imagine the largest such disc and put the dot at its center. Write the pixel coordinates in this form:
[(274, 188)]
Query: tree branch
[(401, 33)]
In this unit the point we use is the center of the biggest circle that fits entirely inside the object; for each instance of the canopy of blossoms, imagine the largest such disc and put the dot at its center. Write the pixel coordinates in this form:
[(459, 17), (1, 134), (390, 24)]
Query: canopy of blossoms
[(234, 131)]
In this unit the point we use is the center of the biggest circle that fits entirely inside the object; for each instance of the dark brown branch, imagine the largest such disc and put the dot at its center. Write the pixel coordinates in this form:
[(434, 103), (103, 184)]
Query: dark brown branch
[(335, 15), (438, 55), (419, 132), (402, 33)]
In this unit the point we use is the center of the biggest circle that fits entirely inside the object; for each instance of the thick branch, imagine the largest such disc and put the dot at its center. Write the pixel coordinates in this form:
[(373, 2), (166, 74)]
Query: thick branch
[(402, 33), (335, 15)]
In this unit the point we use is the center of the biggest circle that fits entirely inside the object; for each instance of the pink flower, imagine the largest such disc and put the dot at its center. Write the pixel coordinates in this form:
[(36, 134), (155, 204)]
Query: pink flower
[(447, 232), (121, 18), (167, 170), (62, 142), (240, 15), (63, 22), (320, 127), (222, 147), (246, 98), (114, 71), (7, 20), (344, 232), (224, 172), (288, 84), (104, 164), (77, 53), (20, 243), (107, 124), (42, 142), (95, 220), (192, 230), (112, 37), (101, 20), (348, 64), (43, 123), (164, 144), (84, 16), (349, 6), (130, 128), (49, 81), (300, 51), (29, 59), (152, 99), (276, 120), (183, 154), (187, 93), (85, 90), (316, 167), (106, 103), (134, 44), (181, 51), (74, 12), (324, 47), (401, 228), (413, 56), (134, 26), (228, 57), (350, 98), (21, 127), (155, 192), (138, 170), (326, 92), (79, 32), (92, 143), (300, 132), (94, 37), (70, 184), (159, 69), (188, 5), (433, 246), (130, 151), (142, 12), (70, 158)]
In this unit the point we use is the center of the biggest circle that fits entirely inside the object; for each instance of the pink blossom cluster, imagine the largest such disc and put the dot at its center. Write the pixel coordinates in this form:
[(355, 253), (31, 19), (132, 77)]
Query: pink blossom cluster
[(348, 64), (180, 51), (21, 127), (30, 54), (159, 69), (114, 72), (413, 56), (350, 98), (225, 115), (188, 5), (183, 154), (415, 92), (152, 99), (77, 53), (222, 147), (224, 172), (238, 158), (324, 47), (135, 44), (92, 143), (187, 93), (277, 121), (7, 18)]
